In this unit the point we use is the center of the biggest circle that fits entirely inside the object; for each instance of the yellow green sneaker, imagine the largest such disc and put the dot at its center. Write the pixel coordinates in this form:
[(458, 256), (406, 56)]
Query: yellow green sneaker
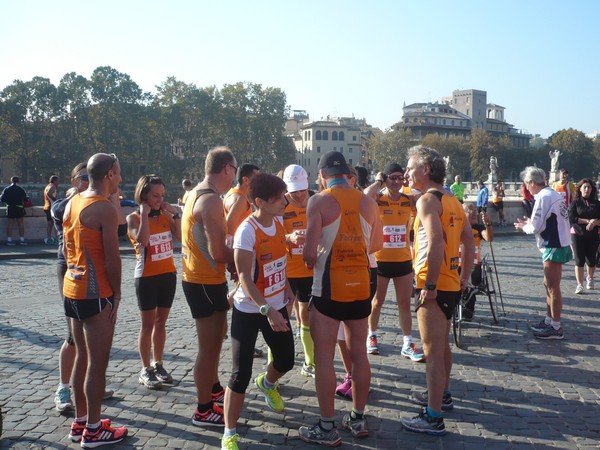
[(230, 443), (272, 397)]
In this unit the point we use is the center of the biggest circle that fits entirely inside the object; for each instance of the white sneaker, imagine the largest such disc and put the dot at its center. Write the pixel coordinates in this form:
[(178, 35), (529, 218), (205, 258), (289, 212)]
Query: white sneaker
[(590, 283), (579, 289)]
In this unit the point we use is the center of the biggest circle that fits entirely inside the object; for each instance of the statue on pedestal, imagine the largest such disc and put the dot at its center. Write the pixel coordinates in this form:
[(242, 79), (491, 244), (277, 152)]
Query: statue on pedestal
[(554, 155), (493, 167)]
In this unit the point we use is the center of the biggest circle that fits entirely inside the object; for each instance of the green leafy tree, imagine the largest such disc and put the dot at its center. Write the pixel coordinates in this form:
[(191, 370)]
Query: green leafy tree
[(390, 147), (456, 148), (577, 152)]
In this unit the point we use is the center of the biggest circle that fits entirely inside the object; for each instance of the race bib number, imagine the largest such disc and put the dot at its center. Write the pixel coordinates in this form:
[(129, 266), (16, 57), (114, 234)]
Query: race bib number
[(298, 249), (161, 246), (274, 276), (394, 236)]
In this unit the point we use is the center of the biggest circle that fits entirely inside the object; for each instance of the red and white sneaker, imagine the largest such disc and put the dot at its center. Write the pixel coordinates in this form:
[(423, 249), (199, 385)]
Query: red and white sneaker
[(211, 418), (104, 435), (78, 427), (218, 397)]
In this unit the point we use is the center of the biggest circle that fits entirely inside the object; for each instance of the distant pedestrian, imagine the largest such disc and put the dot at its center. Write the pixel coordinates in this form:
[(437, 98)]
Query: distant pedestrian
[(187, 187), (458, 189), (565, 187), (482, 198), (526, 200), (50, 196), (550, 224), (498, 202), (15, 198)]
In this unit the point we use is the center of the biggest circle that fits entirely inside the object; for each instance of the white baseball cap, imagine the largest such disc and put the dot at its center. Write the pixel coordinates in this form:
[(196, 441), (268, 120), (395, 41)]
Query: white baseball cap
[(295, 178)]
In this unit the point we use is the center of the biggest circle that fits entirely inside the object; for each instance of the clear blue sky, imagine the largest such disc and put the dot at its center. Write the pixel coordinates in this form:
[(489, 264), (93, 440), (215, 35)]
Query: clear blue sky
[(538, 58)]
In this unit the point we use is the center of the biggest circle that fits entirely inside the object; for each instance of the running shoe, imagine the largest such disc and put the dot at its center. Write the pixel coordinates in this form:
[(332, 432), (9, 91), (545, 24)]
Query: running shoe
[(149, 379), (77, 429), (230, 443), (422, 398), (358, 427), (413, 353), (424, 423), (539, 326), (62, 399), (308, 370), (218, 397), (104, 435), (589, 283), (317, 435), (47, 241), (272, 397), (549, 333), (579, 289), (22, 243), (211, 418), (344, 389), (372, 347), (162, 374), (11, 243)]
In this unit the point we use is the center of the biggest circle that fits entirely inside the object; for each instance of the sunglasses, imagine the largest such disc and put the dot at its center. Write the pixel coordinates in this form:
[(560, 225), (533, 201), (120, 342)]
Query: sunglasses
[(84, 177), (395, 177), (232, 166)]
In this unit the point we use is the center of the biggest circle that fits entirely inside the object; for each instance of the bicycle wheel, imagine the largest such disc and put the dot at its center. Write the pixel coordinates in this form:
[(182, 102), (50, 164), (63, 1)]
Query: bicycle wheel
[(457, 324), (490, 288)]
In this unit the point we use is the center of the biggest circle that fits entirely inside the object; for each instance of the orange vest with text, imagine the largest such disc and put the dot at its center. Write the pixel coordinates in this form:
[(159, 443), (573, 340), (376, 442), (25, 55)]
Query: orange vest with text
[(157, 257), (395, 216), (294, 218), (270, 263)]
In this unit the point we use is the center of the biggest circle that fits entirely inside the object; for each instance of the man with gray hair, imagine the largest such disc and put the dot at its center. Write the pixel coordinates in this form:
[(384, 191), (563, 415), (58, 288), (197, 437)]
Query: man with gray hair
[(440, 227), (550, 223)]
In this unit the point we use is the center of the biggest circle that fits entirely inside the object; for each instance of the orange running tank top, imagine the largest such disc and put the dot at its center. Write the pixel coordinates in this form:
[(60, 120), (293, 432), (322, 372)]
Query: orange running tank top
[(270, 263), (294, 218), (232, 191), (395, 216), (198, 266), (157, 257), (341, 271), (453, 219), (47, 201), (86, 276)]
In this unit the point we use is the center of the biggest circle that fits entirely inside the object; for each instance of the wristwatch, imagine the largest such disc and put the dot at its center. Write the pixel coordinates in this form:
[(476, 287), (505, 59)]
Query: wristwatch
[(264, 309), (431, 287)]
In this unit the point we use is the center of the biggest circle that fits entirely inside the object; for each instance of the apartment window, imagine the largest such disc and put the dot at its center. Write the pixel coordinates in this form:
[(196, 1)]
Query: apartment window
[(353, 138), (325, 135), (318, 135), (350, 161), (468, 112), (350, 150), (341, 136), (309, 135), (334, 136), (318, 149)]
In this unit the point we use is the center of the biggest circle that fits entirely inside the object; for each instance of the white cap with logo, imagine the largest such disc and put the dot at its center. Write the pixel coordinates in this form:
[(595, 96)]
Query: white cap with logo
[(296, 178)]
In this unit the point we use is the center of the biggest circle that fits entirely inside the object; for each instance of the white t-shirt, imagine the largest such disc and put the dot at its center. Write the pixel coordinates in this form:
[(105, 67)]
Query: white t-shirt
[(244, 239)]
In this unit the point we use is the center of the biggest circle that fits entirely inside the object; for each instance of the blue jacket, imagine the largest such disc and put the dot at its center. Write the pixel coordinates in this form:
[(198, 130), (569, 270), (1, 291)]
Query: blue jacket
[(482, 197)]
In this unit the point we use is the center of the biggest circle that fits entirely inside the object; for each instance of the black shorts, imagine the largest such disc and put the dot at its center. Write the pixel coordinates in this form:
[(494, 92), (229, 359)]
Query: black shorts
[(356, 310), (393, 269), (584, 250), (205, 299), (498, 206), (301, 288), (157, 291), (481, 209), (15, 212), (372, 281), (48, 215), (446, 300), (84, 309)]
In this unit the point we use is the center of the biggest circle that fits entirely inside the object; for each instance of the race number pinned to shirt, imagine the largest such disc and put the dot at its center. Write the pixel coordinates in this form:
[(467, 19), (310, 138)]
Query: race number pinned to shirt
[(161, 246), (274, 275), (394, 236)]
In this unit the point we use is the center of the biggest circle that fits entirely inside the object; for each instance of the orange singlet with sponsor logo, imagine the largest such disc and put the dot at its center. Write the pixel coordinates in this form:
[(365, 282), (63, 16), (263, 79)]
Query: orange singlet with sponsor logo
[(232, 191), (86, 276), (198, 266), (395, 216), (341, 272), (294, 218), (47, 201), (270, 264), (157, 257), (453, 219), (477, 238)]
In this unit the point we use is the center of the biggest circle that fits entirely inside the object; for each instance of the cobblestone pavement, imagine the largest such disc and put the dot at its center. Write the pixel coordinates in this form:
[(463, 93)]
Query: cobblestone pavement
[(510, 390)]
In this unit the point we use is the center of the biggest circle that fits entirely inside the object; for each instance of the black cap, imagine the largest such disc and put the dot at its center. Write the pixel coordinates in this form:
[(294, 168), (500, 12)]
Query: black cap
[(393, 167), (334, 163)]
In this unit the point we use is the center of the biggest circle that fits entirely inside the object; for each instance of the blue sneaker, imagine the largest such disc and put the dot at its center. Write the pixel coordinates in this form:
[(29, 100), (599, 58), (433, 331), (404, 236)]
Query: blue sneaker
[(413, 353), (372, 348)]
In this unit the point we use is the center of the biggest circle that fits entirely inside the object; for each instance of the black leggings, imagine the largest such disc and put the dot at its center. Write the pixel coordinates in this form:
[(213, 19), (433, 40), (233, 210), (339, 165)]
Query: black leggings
[(244, 331), (584, 250)]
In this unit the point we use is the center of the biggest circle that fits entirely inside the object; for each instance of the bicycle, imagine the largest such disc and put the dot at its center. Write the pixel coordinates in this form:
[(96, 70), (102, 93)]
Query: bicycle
[(486, 287)]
